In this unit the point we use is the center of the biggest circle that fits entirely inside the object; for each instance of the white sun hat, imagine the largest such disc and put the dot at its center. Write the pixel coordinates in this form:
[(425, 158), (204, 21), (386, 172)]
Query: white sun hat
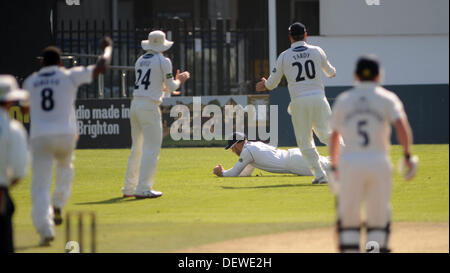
[(156, 42), (10, 91)]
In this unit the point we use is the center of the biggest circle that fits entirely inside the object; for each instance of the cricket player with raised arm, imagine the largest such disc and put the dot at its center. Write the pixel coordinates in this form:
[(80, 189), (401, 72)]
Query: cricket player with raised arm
[(54, 133), (362, 170), (13, 156), (265, 157), (153, 77), (302, 64)]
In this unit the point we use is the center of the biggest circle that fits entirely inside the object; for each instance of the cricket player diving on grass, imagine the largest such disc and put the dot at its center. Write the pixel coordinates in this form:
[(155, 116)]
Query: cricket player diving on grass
[(265, 157), (153, 77), (301, 64), (53, 133), (362, 170)]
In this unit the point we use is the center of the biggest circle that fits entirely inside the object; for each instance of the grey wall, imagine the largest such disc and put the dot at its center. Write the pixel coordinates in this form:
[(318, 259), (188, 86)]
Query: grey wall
[(427, 107), (391, 17)]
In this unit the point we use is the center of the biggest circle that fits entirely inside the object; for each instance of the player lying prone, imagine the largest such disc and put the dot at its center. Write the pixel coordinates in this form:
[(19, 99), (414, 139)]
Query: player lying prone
[(265, 157)]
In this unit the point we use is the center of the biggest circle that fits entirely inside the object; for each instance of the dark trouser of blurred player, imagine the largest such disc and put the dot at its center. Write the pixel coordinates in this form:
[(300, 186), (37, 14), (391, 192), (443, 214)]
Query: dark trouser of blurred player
[(6, 212)]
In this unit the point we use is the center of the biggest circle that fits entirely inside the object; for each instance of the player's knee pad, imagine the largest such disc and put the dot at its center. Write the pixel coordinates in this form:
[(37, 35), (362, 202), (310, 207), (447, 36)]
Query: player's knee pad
[(348, 238), (377, 239)]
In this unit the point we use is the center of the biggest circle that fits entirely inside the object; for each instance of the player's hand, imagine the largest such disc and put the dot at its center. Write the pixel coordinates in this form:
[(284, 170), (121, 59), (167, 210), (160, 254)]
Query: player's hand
[(164, 87), (182, 77), (261, 86), (408, 167), (106, 41), (175, 93), (218, 170)]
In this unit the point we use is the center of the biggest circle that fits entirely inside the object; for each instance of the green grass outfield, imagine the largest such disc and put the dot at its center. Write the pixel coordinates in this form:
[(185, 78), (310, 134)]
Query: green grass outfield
[(199, 208)]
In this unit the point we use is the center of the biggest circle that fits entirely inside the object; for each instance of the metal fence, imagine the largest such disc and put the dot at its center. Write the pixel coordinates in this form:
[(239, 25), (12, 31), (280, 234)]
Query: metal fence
[(222, 59)]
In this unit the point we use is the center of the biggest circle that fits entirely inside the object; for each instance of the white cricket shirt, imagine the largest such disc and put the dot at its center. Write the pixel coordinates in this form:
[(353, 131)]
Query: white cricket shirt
[(265, 157), (53, 92), (301, 65), (152, 69), (363, 115), (13, 149)]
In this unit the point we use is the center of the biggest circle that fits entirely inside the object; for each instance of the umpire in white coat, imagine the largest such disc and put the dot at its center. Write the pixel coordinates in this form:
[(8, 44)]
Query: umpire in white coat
[(13, 156), (153, 77)]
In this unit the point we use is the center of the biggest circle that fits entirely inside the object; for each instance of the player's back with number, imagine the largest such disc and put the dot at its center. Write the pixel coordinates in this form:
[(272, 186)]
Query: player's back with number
[(52, 95), (150, 69), (366, 113), (302, 65)]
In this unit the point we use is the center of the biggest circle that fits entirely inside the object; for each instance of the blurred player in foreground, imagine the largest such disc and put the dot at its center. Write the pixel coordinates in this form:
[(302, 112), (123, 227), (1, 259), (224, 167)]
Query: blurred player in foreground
[(153, 76), (265, 157), (362, 171), (13, 156), (53, 132), (302, 65)]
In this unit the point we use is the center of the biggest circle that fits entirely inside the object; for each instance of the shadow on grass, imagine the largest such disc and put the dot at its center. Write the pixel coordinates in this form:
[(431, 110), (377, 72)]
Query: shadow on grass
[(108, 201), (272, 186), (113, 200)]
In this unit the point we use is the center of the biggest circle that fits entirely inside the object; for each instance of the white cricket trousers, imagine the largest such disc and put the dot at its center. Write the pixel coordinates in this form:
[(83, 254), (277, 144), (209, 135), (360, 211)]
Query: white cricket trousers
[(146, 135), (310, 113), (364, 179), (296, 163), (46, 149)]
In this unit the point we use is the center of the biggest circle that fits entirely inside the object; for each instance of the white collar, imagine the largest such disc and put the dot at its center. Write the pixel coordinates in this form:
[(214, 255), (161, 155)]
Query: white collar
[(298, 43), (48, 68), (366, 84)]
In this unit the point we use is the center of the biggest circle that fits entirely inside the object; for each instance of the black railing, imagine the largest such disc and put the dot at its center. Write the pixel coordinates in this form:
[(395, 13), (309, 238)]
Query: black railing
[(223, 60)]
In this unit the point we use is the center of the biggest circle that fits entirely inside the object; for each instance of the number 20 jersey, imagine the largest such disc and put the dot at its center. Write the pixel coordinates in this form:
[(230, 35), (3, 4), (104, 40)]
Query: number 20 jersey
[(53, 92), (301, 64)]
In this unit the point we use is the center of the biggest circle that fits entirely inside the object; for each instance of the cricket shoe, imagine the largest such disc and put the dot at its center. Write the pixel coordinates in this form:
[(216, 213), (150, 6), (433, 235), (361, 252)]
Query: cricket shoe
[(148, 194), (45, 240), (57, 217), (128, 195), (320, 180)]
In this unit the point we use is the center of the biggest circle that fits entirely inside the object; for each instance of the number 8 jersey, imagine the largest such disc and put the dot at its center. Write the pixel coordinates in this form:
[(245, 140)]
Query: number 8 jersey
[(152, 69), (53, 92), (301, 64)]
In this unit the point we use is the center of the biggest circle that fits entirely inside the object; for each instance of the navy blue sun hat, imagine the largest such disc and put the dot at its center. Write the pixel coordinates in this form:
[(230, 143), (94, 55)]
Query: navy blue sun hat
[(237, 137)]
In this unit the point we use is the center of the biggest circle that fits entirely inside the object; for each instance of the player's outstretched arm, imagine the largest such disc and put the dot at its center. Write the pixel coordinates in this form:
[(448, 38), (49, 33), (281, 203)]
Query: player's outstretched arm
[(327, 68), (261, 85), (335, 149), (404, 137), (105, 60), (274, 78), (171, 83)]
